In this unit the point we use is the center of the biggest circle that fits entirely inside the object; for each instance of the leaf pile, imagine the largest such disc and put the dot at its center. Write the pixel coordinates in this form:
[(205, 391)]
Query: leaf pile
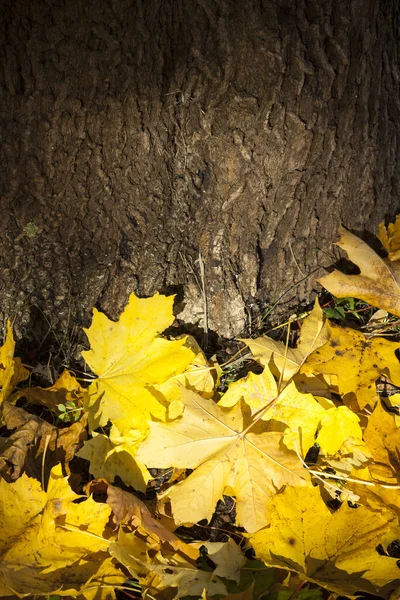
[(308, 450)]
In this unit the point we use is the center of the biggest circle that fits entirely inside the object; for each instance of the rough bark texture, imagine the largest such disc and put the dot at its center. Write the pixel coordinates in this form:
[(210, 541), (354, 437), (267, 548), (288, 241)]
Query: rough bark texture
[(138, 133)]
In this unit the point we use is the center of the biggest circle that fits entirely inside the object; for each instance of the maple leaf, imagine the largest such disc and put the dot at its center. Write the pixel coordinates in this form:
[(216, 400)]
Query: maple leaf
[(335, 427), (198, 376), (158, 558), (382, 437), (337, 551), (49, 544), (302, 414), (356, 363), (11, 370), (133, 514), (381, 474), (33, 436), (390, 238), (109, 460), (65, 389), (159, 566), (314, 333), (132, 363), (227, 458), (378, 281)]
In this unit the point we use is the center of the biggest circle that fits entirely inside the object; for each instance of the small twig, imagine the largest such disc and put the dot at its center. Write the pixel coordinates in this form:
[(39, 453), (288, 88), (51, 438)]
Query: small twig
[(296, 591), (387, 486), (295, 261), (285, 355), (291, 287)]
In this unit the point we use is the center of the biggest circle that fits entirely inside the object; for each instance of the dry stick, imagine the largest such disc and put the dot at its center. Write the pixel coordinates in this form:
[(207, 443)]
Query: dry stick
[(296, 591), (387, 486), (320, 475), (295, 261), (296, 317)]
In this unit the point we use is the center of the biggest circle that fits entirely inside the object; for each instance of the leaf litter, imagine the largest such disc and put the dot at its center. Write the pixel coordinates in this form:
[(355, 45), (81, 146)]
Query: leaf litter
[(292, 469)]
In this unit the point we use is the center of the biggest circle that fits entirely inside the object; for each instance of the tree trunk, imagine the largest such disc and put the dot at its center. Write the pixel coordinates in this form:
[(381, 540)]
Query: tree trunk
[(138, 134)]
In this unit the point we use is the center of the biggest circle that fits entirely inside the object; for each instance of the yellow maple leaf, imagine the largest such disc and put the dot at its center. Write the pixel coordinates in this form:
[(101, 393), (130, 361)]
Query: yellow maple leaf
[(163, 565), (337, 551), (382, 473), (108, 460), (314, 333), (258, 390), (11, 370), (336, 425), (390, 238), (378, 281), (302, 414), (227, 457), (129, 358), (356, 363), (382, 437), (197, 376), (394, 401), (49, 544), (349, 462)]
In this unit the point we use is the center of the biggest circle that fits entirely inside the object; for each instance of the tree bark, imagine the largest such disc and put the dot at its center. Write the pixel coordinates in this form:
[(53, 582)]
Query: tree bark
[(138, 134)]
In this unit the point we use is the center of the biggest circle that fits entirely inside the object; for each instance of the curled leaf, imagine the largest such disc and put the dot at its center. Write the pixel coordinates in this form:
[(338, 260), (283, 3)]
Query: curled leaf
[(377, 284)]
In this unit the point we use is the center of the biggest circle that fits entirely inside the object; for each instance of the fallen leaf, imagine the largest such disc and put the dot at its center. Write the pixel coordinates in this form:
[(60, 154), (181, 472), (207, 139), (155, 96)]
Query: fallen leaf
[(390, 238), (227, 557), (337, 551), (109, 460), (29, 430), (352, 455), (302, 414), (356, 363), (258, 390), (11, 370), (378, 281), (65, 389), (336, 425), (33, 436), (161, 568), (129, 357), (51, 545), (382, 436), (246, 595), (227, 458), (130, 511), (198, 376)]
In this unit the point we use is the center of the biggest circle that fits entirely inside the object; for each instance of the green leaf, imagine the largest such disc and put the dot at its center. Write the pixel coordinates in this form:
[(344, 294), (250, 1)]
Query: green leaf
[(335, 313), (351, 303)]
